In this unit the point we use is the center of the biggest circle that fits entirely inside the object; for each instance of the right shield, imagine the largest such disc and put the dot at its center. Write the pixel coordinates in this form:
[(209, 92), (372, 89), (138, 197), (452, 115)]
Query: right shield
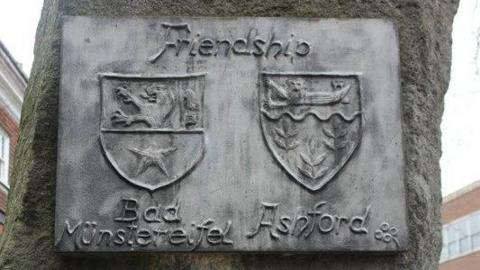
[(311, 123)]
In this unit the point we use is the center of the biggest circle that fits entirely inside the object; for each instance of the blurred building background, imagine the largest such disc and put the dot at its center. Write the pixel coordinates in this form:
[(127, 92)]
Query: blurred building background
[(461, 229), (12, 88)]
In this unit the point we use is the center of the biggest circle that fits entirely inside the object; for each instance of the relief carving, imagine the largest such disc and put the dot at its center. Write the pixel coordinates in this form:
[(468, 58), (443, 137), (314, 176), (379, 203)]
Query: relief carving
[(152, 157), (312, 160), (179, 39), (286, 134), (387, 234), (304, 223), (152, 126), (153, 227), (311, 123)]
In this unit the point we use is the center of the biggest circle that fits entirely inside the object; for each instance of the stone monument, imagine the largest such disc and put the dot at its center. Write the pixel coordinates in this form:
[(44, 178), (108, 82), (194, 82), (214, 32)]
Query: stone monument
[(314, 140)]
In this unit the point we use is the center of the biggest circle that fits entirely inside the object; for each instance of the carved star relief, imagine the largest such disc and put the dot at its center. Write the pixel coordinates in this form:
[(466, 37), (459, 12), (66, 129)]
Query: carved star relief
[(152, 156)]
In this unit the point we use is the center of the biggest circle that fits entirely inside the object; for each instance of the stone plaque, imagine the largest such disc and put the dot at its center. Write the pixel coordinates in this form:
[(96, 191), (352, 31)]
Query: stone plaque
[(230, 134)]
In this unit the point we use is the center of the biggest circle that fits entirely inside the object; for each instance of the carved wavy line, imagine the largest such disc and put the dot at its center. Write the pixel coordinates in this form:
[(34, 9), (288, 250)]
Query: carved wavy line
[(301, 117)]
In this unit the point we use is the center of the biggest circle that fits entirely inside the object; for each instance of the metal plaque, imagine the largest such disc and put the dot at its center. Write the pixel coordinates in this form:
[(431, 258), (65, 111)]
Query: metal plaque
[(230, 134)]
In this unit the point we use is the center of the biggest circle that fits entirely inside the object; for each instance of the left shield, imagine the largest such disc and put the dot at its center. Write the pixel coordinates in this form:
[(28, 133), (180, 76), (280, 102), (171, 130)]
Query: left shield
[(151, 127)]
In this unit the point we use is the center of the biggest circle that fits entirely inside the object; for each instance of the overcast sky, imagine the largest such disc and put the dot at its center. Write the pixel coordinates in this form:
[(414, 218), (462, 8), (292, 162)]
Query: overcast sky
[(18, 23), (461, 125), (460, 162)]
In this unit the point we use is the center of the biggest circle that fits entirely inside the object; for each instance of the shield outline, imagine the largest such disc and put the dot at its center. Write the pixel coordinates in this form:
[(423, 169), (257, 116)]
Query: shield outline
[(283, 165), (111, 160)]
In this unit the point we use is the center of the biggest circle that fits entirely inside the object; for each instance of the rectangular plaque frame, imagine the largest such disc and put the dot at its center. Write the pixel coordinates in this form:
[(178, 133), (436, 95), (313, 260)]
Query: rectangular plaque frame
[(181, 134)]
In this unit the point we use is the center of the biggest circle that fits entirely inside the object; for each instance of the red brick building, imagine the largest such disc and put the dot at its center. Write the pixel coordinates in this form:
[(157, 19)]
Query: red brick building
[(12, 88), (461, 229)]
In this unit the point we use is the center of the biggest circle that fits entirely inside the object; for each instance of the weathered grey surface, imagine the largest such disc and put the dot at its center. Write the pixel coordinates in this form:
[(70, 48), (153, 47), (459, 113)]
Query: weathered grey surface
[(139, 134), (424, 28)]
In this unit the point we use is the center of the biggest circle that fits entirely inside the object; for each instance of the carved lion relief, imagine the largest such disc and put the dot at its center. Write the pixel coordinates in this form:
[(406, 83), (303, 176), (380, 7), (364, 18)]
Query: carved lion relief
[(152, 126)]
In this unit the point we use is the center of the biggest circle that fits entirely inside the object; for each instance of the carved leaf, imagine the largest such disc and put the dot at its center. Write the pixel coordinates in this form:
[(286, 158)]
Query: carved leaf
[(341, 145), (287, 129), (292, 145), (306, 159), (306, 171), (280, 132), (329, 133), (284, 135), (319, 159), (292, 132), (280, 142), (312, 162), (320, 172), (331, 145)]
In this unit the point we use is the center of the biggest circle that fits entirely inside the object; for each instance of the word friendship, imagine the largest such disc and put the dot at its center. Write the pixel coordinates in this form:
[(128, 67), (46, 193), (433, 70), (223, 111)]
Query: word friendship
[(251, 44)]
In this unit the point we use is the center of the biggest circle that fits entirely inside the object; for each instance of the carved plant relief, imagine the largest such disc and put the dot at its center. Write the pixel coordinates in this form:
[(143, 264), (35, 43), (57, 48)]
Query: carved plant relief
[(312, 160), (387, 234), (152, 126), (286, 135), (311, 123)]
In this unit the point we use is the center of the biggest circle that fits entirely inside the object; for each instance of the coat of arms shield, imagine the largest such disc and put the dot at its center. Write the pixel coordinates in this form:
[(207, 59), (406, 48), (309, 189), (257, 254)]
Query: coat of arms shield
[(151, 127), (311, 123)]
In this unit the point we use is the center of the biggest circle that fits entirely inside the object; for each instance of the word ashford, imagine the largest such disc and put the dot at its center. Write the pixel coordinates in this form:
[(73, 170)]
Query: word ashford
[(180, 40), (305, 224)]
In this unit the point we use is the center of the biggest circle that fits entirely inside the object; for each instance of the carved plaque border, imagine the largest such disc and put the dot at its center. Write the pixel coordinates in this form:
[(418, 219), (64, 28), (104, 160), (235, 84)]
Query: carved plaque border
[(163, 145)]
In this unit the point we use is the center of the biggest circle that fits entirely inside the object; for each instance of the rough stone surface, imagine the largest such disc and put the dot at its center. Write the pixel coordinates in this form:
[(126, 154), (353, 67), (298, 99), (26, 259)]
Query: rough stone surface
[(425, 40)]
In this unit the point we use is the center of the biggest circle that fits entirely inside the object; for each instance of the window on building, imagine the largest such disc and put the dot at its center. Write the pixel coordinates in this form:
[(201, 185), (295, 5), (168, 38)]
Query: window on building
[(461, 237), (475, 229), (4, 157)]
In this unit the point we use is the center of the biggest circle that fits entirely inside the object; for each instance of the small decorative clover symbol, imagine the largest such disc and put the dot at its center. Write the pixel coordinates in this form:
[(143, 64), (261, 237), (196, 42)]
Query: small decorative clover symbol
[(387, 234)]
